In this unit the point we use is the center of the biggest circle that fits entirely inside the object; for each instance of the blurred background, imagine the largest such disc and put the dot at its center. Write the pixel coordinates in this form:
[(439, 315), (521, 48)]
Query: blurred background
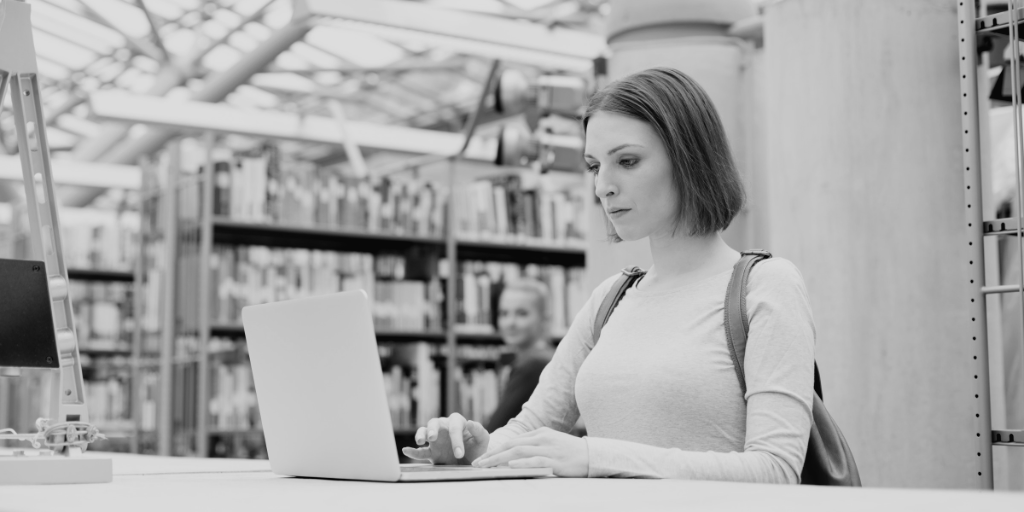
[(210, 154)]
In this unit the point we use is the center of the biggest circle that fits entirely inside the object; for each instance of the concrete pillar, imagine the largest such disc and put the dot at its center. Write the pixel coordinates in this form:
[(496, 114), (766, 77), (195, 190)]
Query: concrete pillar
[(689, 35), (866, 196)]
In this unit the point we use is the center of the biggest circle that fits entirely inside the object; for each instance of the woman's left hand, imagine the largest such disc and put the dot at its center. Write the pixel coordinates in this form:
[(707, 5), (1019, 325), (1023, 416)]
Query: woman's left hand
[(542, 448)]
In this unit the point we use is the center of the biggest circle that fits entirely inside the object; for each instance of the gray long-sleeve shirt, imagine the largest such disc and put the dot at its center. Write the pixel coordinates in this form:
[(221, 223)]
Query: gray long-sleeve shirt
[(659, 393)]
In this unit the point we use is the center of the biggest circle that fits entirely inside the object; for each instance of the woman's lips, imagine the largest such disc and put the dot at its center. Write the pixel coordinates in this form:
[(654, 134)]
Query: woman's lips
[(616, 213)]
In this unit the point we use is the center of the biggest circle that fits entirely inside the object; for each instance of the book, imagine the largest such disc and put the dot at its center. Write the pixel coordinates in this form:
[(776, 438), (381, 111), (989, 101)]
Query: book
[(108, 396), (412, 383)]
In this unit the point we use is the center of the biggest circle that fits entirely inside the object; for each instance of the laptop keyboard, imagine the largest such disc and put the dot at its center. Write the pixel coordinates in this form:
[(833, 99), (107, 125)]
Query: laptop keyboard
[(416, 469)]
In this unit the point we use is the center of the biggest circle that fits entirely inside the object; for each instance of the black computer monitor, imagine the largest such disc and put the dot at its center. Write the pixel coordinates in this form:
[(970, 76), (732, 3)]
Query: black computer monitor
[(26, 321)]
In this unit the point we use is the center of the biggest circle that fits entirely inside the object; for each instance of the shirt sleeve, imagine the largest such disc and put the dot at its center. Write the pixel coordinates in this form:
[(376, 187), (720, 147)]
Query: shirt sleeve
[(553, 402), (779, 372)]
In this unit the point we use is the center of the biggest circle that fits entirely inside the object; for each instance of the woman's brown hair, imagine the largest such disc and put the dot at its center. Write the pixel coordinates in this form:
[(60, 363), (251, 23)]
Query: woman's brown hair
[(709, 189)]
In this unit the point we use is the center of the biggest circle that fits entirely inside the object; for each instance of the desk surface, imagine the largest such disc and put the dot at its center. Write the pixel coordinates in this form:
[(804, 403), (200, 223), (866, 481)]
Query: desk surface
[(158, 484)]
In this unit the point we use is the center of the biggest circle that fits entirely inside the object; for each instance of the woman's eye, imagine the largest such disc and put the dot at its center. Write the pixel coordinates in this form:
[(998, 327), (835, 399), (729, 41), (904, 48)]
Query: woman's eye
[(628, 162), (592, 168)]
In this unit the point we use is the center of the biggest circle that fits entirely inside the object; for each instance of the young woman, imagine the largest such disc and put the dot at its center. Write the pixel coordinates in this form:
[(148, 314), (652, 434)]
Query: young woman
[(658, 392), (523, 321)]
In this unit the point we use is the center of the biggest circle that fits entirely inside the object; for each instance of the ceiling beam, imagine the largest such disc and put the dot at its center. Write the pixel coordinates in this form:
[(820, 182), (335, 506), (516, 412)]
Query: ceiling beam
[(401, 68), (215, 89), (154, 30), (467, 32), (172, 74), (168, 116), (77, 173), (141, 45)]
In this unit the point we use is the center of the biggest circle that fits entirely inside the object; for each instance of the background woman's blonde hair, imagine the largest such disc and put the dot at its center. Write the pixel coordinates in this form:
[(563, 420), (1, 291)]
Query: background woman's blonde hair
[(539, 290)]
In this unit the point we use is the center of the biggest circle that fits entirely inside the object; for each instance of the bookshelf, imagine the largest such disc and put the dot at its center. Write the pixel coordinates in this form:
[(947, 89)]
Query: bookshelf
[(105, 307), (234, 248), (111, 276)]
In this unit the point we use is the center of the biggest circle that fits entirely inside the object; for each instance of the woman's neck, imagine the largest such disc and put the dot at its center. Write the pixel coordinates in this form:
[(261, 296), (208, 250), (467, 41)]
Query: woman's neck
[(538, 345), (684, 257)]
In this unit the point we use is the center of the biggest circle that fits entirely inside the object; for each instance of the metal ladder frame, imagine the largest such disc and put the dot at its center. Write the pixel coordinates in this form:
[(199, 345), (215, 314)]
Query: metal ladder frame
[(969, 28)]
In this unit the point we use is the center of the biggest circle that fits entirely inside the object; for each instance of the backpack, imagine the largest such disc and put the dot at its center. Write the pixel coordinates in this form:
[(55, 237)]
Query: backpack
[(829, 460)]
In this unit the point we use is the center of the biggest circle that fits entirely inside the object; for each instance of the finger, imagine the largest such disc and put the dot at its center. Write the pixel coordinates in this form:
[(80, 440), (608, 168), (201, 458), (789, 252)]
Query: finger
[(416, 453), (434, 426), (521, 440), (421, 435), (531, 462), (456, 426), (475, 430), (537, 433), (503, 457)]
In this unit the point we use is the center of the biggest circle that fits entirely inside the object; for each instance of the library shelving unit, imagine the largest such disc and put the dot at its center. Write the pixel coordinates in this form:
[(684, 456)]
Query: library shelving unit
[(185, 342), (113, 358), (976, 34)]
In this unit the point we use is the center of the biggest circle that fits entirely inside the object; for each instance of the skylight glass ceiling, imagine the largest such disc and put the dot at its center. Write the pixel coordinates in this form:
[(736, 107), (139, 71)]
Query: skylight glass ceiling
[(172, 48)]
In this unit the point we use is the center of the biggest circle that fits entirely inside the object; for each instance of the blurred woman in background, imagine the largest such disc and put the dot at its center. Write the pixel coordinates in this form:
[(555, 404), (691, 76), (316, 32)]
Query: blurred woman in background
[(524, 321)]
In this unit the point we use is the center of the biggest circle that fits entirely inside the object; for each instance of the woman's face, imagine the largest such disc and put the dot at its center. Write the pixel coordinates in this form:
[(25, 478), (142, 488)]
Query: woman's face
[(519, 317), (633, 176)]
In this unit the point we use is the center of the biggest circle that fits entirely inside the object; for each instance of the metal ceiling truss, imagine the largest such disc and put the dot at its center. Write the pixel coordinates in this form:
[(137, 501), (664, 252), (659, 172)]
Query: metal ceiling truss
[(413, 91)]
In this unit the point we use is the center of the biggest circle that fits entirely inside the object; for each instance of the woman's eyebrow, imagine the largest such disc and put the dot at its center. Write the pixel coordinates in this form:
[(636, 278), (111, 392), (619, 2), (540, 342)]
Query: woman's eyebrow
[(616, 148)]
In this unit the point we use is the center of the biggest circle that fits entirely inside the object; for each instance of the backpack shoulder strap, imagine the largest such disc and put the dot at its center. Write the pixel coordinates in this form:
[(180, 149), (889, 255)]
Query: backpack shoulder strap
[(736, 322), (737, 325), (628, 278)]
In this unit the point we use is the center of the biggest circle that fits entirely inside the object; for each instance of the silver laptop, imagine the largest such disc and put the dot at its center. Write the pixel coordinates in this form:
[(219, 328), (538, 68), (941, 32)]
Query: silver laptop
[(321, 394)]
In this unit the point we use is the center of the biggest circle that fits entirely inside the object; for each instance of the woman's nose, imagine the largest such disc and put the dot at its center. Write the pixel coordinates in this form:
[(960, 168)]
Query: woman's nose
[(603, 187)]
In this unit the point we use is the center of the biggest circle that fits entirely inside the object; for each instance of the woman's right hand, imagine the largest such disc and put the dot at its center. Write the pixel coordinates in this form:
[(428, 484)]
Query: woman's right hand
[(450, 441)]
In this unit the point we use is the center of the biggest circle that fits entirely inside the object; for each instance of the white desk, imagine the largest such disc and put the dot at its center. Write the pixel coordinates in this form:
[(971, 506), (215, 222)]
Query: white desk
[(157, 484)]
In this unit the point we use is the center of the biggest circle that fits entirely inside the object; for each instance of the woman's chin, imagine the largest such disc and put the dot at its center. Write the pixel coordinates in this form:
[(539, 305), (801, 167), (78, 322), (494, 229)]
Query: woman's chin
[(513, 341), (628, 235)]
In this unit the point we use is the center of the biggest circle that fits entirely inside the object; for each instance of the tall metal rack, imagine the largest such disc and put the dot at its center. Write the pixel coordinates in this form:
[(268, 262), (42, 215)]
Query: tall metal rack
[(973, 32)]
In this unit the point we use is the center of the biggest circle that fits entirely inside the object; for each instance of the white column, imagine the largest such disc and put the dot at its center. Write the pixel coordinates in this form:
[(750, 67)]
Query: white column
[(866, 196)]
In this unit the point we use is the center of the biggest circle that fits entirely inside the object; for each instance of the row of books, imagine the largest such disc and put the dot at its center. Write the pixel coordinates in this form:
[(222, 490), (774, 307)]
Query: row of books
[(103, 314), (481, 282), (108, 390), (244, 275), (109, 402), (412, 383), (255, 187), (149, 392), (105, 240), (517, 208), (232, 405), (503, 210), (477, 391), (90, 238)]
